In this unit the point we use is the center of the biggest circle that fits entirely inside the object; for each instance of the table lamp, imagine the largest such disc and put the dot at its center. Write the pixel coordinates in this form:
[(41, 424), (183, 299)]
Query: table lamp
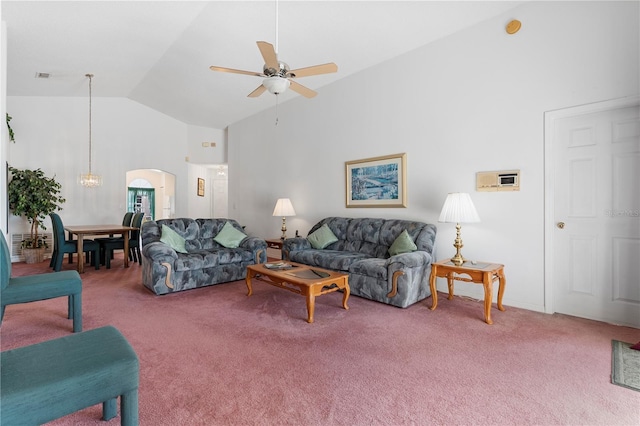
[(284, 208), (458, 208)]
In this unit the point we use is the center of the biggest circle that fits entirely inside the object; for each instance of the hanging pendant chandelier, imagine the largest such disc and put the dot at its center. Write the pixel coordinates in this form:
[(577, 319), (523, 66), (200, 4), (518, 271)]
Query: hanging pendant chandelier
[(90, 180)]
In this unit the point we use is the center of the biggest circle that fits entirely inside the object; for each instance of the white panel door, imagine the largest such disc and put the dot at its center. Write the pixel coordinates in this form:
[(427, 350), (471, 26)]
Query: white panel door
[(595, 181)]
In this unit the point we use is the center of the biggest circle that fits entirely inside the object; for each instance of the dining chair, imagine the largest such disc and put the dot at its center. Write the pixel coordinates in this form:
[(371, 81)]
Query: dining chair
[(62, 246), (32, 288), (108, 245), (126, 221), (134, 239)]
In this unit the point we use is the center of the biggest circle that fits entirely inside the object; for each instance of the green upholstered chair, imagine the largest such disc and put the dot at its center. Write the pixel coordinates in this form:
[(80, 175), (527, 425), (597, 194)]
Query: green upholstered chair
[(32, 288), (51, 379), (61, 246), (126, 221), (108, 245), (134, 239)]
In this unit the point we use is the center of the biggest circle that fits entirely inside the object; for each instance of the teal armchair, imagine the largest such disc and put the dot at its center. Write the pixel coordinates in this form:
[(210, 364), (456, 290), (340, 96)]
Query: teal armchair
[(32, 288)]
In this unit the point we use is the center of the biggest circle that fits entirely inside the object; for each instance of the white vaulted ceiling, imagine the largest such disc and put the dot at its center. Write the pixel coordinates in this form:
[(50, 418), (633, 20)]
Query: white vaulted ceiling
[(158, 53)]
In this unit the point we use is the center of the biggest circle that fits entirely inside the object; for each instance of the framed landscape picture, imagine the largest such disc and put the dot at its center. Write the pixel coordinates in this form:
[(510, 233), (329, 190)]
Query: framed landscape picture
[(377, 182)]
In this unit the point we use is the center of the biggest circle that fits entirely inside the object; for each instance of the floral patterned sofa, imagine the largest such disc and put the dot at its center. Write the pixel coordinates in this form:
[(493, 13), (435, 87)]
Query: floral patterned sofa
[(203, 262), (361, 248)]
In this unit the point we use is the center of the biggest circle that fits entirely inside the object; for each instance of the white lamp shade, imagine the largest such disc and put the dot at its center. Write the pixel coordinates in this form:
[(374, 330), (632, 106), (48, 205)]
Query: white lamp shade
[(284, 208), (276, 84), (458, 208)]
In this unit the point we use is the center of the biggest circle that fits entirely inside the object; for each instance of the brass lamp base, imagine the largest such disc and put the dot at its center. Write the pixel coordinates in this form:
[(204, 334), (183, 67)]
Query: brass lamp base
[(458, 259), (284, 228)]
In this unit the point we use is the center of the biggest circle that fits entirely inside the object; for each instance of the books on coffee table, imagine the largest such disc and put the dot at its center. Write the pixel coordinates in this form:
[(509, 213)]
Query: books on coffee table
[(278, 265)]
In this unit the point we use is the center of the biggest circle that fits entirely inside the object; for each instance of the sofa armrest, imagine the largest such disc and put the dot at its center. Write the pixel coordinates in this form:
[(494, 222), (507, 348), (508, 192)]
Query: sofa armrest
[(409, 260), (397, 266), (294, 244), (253, 244), (257, 246), (158, 252)]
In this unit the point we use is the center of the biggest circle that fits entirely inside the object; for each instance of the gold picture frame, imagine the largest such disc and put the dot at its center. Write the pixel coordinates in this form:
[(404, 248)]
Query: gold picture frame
[(200, 187), (377, 181)]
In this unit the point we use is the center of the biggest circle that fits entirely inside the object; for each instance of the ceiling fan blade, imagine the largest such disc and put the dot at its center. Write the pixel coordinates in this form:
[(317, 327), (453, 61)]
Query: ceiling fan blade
[(314, 70), (257, 74), (304, 91), (259, 91), (269, 55)]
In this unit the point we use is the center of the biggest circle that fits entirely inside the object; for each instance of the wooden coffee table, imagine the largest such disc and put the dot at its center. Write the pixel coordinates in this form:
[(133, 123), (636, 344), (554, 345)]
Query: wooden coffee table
[(302, 279)]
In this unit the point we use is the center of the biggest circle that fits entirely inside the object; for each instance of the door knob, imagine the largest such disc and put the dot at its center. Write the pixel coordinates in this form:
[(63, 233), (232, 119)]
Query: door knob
[(561, 225)]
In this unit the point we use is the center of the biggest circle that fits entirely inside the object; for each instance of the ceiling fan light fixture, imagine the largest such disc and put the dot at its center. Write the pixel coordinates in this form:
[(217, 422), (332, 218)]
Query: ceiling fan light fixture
[(276, 85)]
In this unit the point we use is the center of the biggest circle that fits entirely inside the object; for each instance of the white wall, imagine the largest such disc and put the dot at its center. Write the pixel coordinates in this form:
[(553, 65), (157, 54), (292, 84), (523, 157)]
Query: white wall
[(52, 134), (219, 191), (199, 154), (4, 134), (471, 102), (198, 206)]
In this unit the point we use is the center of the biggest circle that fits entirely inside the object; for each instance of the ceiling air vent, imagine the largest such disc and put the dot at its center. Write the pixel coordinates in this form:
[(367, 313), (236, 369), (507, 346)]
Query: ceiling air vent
[(42, 75)]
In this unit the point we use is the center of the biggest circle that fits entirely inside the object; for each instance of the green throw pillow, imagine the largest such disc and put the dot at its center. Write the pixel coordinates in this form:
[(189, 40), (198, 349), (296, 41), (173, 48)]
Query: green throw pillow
[(402, 244), (322, 237), (229, 236), (172, 239)]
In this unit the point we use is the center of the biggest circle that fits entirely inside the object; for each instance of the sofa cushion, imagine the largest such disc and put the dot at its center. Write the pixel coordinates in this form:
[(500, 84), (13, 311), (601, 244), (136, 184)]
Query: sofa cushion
[(233, 255), (197, 260), (363, 235), (189, 261), (229, 236), (322, 237), (328, 259), (373, 267), (173, 239), (402, 244)]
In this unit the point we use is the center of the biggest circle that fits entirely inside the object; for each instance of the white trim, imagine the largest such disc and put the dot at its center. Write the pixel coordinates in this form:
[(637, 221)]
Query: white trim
[(549, 222)]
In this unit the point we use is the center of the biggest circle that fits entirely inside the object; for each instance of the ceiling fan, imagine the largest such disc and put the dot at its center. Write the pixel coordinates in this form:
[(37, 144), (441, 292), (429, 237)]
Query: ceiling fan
[(278, 76)]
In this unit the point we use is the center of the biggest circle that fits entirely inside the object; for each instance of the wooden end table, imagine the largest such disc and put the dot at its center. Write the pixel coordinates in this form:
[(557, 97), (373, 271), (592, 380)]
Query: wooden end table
[(484, 273), (276, 244), (307, 283)]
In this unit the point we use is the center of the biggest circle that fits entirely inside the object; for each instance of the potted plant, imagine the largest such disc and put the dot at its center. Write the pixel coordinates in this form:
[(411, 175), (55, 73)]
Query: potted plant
[(33, 195)]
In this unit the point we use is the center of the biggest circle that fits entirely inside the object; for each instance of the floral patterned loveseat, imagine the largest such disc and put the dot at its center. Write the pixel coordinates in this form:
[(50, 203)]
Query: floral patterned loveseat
[(362, 251), (206, 262)]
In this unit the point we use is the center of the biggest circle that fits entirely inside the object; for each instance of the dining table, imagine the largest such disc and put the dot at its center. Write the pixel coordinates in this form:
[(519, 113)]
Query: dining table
[(82, 230)]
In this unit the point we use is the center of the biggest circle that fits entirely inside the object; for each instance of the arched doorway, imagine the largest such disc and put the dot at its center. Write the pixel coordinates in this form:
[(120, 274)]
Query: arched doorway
[(141, 198), (152, 192)]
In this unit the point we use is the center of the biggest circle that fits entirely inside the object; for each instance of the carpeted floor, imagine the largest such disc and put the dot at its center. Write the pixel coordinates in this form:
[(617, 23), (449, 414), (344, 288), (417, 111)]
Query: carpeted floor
[(214, 356)]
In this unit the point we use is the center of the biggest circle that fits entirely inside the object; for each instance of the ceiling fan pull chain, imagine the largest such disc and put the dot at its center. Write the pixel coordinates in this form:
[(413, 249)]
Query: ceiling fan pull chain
[(276, 110)]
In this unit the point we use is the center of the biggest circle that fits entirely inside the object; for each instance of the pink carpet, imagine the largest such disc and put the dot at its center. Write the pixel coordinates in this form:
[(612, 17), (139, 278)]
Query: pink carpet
[(214, 356)]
